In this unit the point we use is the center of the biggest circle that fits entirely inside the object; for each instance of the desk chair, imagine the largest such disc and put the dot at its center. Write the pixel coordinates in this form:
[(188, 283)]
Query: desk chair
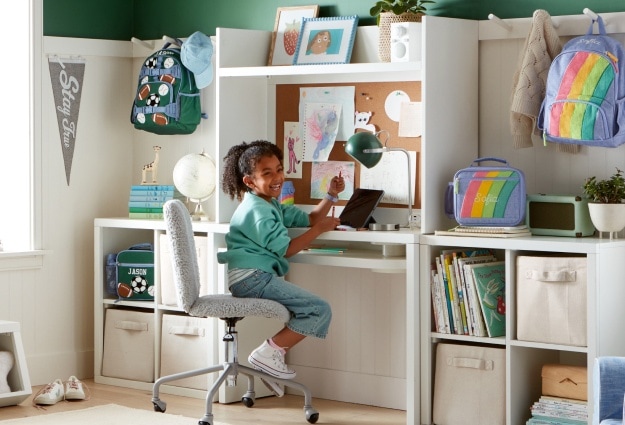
[(222, 306), (608, 390)]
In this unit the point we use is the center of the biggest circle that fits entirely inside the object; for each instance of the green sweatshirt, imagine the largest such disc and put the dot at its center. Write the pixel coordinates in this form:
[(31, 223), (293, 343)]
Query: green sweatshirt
[(258, 236)]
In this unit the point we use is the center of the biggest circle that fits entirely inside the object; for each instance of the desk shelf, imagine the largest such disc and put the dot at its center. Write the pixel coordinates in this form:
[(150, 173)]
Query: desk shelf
[(359, 258)]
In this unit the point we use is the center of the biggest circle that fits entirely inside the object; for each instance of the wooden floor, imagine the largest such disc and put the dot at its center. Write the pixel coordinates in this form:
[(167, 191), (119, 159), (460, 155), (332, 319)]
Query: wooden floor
[(266, 411)]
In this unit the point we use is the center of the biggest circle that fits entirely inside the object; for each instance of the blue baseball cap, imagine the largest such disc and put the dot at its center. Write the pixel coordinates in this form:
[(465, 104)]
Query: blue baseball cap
[(196, 54)]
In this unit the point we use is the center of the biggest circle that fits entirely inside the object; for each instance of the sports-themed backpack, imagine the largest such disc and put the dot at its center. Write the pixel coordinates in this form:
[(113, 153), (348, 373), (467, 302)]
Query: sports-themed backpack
[(585, 93), (167, 100)]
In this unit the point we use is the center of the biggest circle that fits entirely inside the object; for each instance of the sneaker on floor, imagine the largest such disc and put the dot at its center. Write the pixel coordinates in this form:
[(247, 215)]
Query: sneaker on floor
[(274, 387), (50, 394), (74, 389), (270, 360)]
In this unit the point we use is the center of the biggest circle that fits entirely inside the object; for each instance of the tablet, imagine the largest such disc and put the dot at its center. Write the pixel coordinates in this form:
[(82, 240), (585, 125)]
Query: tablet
[(359, 209)]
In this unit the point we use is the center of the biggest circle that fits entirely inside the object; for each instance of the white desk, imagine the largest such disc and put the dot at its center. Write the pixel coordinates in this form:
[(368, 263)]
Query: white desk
[(364, 252)]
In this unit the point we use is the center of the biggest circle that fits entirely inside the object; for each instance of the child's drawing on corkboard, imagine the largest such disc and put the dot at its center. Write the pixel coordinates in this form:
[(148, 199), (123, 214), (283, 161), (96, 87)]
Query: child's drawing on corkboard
[(321, 124), (293, 150), (322, 173)]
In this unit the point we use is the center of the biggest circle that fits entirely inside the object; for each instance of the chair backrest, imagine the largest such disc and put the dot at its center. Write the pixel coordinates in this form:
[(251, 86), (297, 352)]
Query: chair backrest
[(183, 254)]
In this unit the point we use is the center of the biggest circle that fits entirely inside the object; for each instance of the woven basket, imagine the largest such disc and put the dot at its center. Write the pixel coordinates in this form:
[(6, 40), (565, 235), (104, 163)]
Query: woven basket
[(384, 37)]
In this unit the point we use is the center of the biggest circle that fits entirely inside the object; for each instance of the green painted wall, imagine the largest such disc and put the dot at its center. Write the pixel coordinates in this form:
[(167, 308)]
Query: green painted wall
[(150, 19)]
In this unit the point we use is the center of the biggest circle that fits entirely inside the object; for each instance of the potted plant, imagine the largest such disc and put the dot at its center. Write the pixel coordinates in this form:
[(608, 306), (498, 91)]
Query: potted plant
[(605, 197), (391, 11)]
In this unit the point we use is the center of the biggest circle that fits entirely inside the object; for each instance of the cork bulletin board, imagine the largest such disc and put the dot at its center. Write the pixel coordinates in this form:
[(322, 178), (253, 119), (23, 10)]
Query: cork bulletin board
[(368, 97)]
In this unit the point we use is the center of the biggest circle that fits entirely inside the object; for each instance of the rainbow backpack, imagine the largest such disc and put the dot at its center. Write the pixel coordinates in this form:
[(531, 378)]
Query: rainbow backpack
[(585, 93), (488, 195)]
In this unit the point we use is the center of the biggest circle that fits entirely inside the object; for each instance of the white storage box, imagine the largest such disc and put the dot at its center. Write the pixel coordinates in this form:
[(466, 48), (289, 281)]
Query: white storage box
[(187, 343), (168, 288), (17, 377), (129, 345), (469, 385), (551, 300)]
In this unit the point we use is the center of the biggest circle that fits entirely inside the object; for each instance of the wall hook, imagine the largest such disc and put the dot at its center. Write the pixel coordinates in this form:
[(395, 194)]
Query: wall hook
[(143, 43), (171, 40), (592, 15), (500, 22)]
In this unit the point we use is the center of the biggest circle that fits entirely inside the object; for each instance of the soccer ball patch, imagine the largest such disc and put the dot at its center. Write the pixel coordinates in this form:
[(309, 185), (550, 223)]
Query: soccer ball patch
[(153, 100), (139, 285)]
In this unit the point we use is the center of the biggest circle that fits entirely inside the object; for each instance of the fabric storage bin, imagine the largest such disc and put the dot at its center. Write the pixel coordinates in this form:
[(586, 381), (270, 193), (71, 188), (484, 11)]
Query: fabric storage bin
[(186, 344), (551, 300), (167, 286), (566, 381), (469, 385), (128, 345)]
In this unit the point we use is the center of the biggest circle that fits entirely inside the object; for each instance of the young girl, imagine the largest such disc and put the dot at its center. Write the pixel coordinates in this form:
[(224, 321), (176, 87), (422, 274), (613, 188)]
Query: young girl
[(259, 244)]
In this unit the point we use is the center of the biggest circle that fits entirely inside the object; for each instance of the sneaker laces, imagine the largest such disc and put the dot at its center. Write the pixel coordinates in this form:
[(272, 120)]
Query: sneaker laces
[(44, 390), (75, 385)]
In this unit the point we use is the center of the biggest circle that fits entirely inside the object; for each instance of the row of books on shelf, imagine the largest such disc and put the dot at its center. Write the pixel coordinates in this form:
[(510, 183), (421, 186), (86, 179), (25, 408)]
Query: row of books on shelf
[(146, 201), (550, 410), (468, 293)]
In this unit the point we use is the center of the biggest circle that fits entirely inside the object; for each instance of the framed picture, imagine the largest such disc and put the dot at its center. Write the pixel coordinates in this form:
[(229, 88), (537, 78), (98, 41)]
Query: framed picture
[(286, 32), (326, 40)]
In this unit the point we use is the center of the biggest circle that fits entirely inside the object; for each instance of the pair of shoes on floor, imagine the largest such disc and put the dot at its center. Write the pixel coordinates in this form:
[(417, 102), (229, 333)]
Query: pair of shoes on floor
[(271, 361), (52, 393)]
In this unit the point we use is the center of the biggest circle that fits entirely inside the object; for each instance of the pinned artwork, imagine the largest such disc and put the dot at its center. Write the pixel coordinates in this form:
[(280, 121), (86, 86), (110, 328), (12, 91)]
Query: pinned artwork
[(322, 173), (362, 121), (320, 126), (293, 146)]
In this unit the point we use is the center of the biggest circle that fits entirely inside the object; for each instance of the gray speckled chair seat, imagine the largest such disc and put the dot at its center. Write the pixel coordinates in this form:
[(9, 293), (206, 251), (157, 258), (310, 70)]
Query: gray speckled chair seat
[(225, 305)]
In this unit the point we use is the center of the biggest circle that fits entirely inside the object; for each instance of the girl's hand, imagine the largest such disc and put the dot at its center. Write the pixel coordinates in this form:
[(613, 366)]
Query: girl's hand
[(337, 185), (327, 224)]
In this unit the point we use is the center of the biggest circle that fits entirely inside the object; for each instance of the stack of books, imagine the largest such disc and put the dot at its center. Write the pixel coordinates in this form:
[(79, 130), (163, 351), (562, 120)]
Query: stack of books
[(146, 201), (556, 411), (468, 293), (486, 231)]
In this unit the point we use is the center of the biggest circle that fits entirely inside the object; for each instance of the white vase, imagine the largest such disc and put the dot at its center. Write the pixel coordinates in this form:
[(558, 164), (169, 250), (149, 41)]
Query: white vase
[(607, 217)]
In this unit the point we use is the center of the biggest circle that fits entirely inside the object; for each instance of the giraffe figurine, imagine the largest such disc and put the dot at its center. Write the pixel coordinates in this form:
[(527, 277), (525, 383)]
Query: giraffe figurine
[(152, 167)]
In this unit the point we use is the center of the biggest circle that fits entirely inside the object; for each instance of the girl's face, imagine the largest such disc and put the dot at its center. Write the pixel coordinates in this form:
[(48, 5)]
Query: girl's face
[(267, 179)]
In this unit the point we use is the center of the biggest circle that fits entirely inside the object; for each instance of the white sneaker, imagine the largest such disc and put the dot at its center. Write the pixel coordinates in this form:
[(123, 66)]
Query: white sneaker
[(270, 360), (74, 389), (50, 394), (274, 387)]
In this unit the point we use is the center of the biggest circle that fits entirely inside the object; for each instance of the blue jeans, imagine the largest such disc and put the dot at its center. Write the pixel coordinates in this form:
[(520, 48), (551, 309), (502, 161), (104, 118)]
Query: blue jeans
[(310, 314)]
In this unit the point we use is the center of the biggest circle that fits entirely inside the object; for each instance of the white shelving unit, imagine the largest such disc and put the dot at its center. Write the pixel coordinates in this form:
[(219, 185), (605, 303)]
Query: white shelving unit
[(244, 110), (524, 359)]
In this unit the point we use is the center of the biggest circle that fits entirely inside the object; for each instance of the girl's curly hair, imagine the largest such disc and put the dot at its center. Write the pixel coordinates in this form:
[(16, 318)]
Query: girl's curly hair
[(241, 161)]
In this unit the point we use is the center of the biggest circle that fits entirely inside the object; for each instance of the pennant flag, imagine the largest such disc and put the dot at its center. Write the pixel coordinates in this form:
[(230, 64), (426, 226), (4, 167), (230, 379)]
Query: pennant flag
[(67, 77)]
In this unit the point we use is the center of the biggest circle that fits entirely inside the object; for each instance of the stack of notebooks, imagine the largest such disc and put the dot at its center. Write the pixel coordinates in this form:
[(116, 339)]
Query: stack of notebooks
[(486, 231), (558, 411), (146, 201), (468, 293)]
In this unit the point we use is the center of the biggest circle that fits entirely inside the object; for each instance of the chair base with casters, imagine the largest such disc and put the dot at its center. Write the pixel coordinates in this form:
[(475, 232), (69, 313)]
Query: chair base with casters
[(222, 306), (230, 370)]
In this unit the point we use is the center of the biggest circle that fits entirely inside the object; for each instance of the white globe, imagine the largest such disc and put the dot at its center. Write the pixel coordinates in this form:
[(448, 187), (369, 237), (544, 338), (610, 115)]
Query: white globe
[(194, 176)]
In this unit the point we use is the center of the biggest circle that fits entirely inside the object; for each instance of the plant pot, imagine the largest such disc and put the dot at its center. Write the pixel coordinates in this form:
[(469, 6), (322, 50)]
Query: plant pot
[(384, 27), (607, 217)]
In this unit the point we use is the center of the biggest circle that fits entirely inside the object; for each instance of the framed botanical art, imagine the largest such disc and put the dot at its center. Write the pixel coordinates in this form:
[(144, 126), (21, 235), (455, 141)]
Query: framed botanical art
[(286, 32), (326, 40)]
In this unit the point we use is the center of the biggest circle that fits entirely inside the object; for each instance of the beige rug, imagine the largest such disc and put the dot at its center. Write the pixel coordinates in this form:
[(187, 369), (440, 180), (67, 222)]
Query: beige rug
[(105, 415)]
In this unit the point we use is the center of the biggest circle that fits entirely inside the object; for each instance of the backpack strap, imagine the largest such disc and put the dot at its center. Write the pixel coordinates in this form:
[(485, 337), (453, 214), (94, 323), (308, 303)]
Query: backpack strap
[(600, 26)]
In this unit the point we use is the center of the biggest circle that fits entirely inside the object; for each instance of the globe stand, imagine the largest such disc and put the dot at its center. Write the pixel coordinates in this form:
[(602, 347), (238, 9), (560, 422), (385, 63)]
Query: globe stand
[(198, 213)]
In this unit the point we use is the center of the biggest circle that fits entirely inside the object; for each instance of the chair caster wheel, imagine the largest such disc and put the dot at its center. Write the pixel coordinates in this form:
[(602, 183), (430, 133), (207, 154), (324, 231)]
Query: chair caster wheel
[(312, 416), (159, 406), (204, 423), (247, 401)]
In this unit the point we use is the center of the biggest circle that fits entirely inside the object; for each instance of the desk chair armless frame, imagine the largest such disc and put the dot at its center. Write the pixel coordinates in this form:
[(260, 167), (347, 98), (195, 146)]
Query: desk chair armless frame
[(222, 306)]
